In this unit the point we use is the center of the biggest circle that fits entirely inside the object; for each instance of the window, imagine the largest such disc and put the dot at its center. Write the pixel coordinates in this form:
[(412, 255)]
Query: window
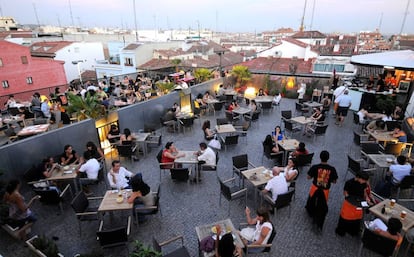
[(5, 83), (29, 80), (24, 59), (128, 62), (1, 62)]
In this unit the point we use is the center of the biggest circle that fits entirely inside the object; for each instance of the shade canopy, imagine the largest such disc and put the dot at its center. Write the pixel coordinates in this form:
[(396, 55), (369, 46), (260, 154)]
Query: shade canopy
[(397, 59)]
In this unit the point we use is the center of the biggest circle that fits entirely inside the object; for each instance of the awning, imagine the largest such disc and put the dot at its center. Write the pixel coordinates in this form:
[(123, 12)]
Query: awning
[(398, 59)]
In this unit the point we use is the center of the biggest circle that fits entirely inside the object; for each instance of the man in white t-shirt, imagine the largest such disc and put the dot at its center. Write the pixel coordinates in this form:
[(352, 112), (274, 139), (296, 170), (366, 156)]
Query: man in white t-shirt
[(344, 101), (277, 185), (206, 155), (90, 166), (400, 169), (118, 176)]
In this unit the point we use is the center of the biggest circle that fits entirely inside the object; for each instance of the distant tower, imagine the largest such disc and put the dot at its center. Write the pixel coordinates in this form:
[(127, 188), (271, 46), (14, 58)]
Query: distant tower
[(71, 15), (405, 16), (37, 17), (302, 25)]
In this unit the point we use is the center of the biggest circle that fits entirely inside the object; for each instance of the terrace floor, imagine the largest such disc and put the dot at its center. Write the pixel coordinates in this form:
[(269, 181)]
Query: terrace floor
[(185, 206)]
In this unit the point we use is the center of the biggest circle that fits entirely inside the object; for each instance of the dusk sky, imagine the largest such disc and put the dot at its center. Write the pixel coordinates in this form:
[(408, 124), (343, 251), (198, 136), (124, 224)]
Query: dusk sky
[(222, 15)]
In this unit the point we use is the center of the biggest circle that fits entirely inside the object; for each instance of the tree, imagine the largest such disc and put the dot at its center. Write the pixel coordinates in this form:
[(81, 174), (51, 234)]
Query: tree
[(176, 62), (202, 75), (242, 74), (88, 107)]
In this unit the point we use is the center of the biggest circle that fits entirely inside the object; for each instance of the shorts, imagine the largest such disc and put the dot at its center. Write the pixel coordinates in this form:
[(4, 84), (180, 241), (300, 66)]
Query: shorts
[(342, 111)]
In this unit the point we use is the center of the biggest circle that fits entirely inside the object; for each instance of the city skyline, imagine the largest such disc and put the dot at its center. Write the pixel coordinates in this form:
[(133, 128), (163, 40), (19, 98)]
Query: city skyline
[(226, 16)]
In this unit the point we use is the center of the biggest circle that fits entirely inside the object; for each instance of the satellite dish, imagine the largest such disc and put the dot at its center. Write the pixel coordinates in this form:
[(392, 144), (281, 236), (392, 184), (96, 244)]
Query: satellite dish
[(278, 54)]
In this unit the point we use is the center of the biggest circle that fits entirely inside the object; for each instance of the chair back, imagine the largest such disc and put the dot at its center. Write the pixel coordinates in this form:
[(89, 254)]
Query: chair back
[(187, 122), (407, 182), (113, 237), (321, 130), (298, 107), (370, 148), (179, 174), (255, 116), (267, 105), (225, 190), (229, 116), (353, 165), (222, 121), (124, 150), (394, 148), (48, 195), (357, 139), (355, 118), (270, 240), (288, 125), (231, 140), (391, 124), (80, 203), (240, 161), (218, 106), (286, 114), (157, 198), (304, 159), (284, 199), (377, 243)]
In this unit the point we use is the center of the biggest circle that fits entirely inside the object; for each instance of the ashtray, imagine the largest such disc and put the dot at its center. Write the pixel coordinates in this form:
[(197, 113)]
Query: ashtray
[(120, 199), (253, 177)]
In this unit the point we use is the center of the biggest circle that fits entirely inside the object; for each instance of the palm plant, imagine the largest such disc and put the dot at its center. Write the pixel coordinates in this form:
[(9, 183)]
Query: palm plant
[(176, 62), (202, 74), (88, 107), (242, 74)]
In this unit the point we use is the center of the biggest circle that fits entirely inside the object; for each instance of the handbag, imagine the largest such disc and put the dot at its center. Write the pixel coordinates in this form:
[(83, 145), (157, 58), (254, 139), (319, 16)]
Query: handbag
[(207, 244), (214, 143)]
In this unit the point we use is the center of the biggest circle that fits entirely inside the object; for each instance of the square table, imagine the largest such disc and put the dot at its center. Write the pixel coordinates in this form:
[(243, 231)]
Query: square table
[(261, 177), (312, 104), (211, 102), (407, 222), (288, 145), (264, 99), (302, 120), (109, 202), (62, 173), (382, 136), (204, 231), (380, 160), (242, 110), (140, 138), (33, 130), (226, 128), (189, 158)]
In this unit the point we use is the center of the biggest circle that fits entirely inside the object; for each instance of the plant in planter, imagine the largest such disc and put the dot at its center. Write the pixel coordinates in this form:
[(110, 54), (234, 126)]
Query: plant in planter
[(202, 75), (142, 250), (84, 108), (166, 87), (43, 246), (242, 74)]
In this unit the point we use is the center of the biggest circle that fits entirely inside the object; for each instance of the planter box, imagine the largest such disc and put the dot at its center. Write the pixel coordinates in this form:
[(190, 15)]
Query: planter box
[(36, 251)]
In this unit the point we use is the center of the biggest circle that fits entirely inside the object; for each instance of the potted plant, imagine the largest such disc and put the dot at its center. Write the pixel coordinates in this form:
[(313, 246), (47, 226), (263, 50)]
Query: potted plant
[(142, 250), (202, 75), (84, 108), (43, 247)]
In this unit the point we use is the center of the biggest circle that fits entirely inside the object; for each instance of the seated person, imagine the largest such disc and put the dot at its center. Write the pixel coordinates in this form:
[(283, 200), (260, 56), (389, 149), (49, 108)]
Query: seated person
[(326, 103), (276, 99), (208, 133), (376, 125), (199, 101), (206, 97), (19, 212), (259, 235), (364, 115), (169, 154), (253, 106), (399, 133), (261, 92), (301, 149), (113, 134), (399, 170), (176, 109), (225, 246), (127, 137), (268, 143), (69, 156), (277, 185), (206, 155), (278, 134), (45, 168), (89, 166), (141, 192), (234, 105), (397, 114), (317, 118), (290, 172), (392, 231), (95, 152), (118, 177), (387, 116)]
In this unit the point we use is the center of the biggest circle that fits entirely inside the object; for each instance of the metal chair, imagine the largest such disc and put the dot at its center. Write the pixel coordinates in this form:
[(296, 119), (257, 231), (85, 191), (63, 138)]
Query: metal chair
[(268, 106), (241, 163), (231, 192), (303, 160), (290, 127), (83, 211), (354, 166), (267, 247), (126, 151), (377, 243), (180, 174), (186, 123), (394, 148), (231, 117), (267, 152), (283, 200), (318, 130), (50, 195), (114, 237), (406, 183), (222, 121), (357, 122), (229, 140), (254, 117), (149, 210), (301, 109), (179, 252)]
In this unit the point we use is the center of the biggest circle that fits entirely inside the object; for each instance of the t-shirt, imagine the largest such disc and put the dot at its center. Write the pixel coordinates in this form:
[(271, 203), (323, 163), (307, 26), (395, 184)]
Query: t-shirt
[(277, 185), (323, 175), (209, 156), (91, 168), (66, 158), (400, 171), (344, 101)]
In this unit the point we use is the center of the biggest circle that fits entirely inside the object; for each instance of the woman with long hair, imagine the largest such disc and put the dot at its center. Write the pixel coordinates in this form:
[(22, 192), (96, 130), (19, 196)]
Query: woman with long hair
[(208, 133), (95, 152)]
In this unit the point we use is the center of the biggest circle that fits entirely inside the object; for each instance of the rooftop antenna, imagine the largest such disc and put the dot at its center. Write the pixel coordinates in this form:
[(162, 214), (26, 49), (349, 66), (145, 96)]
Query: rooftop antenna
[(405, 16), (1, 11), (135, 22), (313, 12), (380, 22), (37, 17), (71, 14), (302, 26)]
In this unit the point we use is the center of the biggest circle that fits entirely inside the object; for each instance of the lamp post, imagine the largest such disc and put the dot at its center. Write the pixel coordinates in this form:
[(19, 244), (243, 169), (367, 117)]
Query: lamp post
[(77, 63), (220, 53)]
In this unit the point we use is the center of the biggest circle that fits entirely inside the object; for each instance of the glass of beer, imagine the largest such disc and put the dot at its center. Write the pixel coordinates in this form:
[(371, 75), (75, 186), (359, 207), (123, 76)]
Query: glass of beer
[(403, 214), (392, 203)]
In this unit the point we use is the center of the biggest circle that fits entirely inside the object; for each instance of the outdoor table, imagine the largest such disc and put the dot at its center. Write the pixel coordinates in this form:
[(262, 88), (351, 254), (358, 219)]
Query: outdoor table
[(140, 139), (211, 102), (407, 222), (33, 130), (189, 158), (230, 92), (382, 136), (302, 120), (226, 128), (381, 161), (257, 177), (109, 202), (226, 225), (264, 99), (312, 104), (62, 173), (13, 119), (242, 110), (288, 145)]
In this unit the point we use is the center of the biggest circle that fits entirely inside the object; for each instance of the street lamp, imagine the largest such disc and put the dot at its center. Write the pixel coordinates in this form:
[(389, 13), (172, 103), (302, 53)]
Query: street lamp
[(220, 53), (77, 63)]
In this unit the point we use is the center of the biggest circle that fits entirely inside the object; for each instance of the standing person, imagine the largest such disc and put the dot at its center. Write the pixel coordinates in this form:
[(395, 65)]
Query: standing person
[(344, 102), (351, 211), (19, 212), (301, 91), (118, 177), (322, 175)]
